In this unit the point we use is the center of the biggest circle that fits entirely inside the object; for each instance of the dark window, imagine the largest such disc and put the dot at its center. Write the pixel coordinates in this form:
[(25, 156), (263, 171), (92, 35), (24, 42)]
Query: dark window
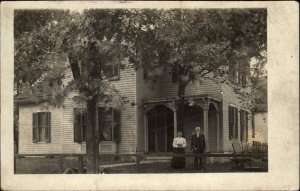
[(80, 124), (41, 126), (233, 122), (109, 123), (243, 125), (175, 73), (111, 71), (238, 73), (145, 74)]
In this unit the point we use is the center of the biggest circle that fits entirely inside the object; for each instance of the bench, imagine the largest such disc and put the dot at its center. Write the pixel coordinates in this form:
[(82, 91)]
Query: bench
[(238, 148)]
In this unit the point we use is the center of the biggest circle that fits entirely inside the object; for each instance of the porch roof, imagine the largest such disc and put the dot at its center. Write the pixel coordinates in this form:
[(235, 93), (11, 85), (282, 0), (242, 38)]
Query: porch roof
[(176, 99)]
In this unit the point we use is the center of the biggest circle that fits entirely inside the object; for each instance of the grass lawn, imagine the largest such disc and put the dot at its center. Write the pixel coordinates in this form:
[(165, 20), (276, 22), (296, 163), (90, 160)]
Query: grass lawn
[(51, 166)]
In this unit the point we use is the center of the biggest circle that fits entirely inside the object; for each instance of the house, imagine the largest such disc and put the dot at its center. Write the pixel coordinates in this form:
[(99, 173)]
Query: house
[(148, 124)]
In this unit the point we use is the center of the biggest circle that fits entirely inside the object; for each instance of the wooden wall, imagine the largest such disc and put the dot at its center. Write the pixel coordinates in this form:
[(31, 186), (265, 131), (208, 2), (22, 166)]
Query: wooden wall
[(26, 145), (128, 144), (146, 90), (62, 130), (230, 98)]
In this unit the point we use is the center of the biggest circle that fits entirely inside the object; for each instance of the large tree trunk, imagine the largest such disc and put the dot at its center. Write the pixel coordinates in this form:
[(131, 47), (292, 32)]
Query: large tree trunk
[(91, 132), (92, 144), (180, 109), (181, 104)]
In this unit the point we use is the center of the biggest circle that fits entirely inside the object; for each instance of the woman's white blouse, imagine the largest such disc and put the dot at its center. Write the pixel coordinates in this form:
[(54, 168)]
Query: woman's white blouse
[(179, 141)]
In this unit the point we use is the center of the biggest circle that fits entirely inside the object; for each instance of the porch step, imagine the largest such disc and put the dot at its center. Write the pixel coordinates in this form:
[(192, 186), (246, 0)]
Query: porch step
[(158, 157)]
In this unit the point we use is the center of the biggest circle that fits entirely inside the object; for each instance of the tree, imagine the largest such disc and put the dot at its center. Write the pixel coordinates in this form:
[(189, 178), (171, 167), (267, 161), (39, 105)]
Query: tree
[(88, 49), (198, 44)]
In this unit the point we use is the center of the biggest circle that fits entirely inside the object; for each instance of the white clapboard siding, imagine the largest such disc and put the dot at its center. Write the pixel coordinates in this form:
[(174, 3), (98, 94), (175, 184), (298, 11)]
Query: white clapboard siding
[(204, 87), (146, 90), (231, 98), (127, 87), (26, 145)]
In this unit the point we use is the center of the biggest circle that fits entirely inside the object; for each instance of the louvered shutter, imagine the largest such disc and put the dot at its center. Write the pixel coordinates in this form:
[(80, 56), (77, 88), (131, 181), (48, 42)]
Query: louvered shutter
[(246, 126), (145, 74), (34, 127), (116, 126), (236, 123), (231, 72), (77, 125), (242, 122), (83, 125), (100, 123), (230, 122), (48, 127), (175, 73)]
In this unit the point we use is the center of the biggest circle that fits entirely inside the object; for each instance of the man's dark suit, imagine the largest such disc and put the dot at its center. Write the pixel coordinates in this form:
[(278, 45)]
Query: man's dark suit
[(198, 146)]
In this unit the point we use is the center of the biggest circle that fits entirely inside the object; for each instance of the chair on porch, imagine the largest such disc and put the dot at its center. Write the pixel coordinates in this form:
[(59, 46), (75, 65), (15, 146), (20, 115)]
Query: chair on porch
[(238, 148)]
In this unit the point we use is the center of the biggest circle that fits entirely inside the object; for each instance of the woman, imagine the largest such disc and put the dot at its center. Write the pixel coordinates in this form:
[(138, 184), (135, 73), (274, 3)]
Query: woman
[(179, 144)]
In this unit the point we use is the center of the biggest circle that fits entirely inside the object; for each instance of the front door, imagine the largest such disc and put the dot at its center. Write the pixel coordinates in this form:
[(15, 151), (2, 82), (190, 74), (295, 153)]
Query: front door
[(160, 129)]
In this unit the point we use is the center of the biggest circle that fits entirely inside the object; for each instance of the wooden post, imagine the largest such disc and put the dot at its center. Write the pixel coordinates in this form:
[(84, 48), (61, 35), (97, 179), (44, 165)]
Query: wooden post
[(175, 123), (218, 131), (80, 164), (61, 163), (15, 164), (166, 131), (205, 121), (146, 131), (138, 163)]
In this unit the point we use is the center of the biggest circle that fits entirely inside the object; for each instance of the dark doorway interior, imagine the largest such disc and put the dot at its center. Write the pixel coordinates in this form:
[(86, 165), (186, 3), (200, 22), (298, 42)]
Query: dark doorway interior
[(160, 129)]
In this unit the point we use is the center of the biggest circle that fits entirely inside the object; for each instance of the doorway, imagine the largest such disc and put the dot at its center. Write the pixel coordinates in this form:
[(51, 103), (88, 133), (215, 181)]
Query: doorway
[(160, 129)]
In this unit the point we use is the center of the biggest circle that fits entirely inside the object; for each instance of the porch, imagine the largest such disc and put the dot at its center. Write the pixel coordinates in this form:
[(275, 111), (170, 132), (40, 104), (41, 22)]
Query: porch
[(160, 123)]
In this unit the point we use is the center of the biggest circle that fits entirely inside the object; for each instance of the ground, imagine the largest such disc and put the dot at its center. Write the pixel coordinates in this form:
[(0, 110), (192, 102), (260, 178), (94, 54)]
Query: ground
[(43, 165)]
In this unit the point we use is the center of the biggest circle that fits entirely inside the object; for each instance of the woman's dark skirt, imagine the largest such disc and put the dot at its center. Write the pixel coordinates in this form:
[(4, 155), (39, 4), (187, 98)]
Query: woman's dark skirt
[(178, 162)]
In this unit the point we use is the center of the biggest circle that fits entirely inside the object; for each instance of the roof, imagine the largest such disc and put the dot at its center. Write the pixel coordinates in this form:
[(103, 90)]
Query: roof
[(43, 90)]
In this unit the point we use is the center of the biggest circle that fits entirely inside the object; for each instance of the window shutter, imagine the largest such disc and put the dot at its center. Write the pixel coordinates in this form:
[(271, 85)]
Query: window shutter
[(100, 123), (236, 123), (231, 72), (242, 122), (48, 127), (116, 126), (77, 125), (145, 74), (246, 126), (229, 122), (175, 73), (34, 128), (83, 125)]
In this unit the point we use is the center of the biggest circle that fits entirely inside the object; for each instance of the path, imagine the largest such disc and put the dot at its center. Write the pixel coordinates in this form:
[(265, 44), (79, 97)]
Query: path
[(132, 163)]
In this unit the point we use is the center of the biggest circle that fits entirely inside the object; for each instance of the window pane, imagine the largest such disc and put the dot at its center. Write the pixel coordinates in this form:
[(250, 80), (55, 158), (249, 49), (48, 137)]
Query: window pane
[(83, 125), (107, 124), (42, 124)]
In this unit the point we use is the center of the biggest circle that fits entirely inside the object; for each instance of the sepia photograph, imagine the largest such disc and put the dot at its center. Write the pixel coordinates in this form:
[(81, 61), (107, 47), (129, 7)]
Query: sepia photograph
[(140, 91), (170, 91)]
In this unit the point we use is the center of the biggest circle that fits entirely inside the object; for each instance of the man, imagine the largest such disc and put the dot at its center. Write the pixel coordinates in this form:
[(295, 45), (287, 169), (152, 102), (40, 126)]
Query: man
[(198, 147)]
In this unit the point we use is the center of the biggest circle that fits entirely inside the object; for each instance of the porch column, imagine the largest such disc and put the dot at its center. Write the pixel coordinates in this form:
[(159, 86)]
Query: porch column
[(175, 123), (205, 122), (218, 131), (146, 131)]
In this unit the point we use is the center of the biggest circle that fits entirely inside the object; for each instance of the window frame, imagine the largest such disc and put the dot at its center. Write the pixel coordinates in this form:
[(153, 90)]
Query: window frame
[(36, 127), (113, 77), (233, 122), (83, 115), (112, 122), (115, 124)]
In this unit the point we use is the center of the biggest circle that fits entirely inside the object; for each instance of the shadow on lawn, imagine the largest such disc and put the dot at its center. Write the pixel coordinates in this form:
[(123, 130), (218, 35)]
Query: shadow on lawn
[(51, 166)]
